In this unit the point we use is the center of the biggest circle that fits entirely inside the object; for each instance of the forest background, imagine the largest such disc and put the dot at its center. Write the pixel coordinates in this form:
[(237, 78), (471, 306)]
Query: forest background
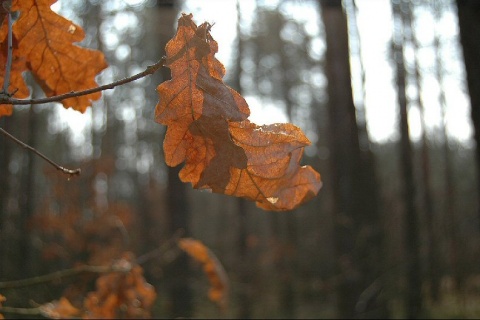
[(385, 90)]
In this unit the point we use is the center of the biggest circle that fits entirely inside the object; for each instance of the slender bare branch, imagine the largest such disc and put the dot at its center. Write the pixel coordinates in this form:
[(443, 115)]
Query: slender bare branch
[(15, 284), (114, 267), (160, 251), (22, 311), (69, 172), (148, 71)]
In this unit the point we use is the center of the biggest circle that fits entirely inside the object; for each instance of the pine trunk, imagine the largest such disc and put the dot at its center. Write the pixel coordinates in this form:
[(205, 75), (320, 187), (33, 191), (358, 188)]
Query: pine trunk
[(162, 27), (413, 299), (357, 231), (469, 24)]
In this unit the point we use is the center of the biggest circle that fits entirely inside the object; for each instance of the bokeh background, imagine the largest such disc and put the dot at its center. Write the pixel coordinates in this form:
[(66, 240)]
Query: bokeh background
[(379, 87)]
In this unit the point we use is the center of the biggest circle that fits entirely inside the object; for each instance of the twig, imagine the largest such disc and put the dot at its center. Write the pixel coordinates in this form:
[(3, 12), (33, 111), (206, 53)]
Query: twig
[(115, 267), (62, 274), (148, 71), (34, 311), (22, 311), (8, 67), (162, 249), (69, 172)]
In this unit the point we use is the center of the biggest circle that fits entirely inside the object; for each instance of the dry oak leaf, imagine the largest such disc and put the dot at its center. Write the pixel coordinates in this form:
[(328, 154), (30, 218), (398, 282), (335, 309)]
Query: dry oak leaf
[(59, 309), (207, 128), (121, 295), (218, 292), (16, 82), (273, 177), (196, 81), (2, 299), (46, 41)]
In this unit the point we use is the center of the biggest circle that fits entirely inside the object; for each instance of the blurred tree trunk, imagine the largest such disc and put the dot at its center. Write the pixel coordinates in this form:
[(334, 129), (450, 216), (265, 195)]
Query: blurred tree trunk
[(469, 24), (269, 43), (179, 291), (5, 156), (431, 219), (448, 172), (356, 53), (244, 268), (177, 207), (414, 284), (288, 219), (27, 197), (358, 233)]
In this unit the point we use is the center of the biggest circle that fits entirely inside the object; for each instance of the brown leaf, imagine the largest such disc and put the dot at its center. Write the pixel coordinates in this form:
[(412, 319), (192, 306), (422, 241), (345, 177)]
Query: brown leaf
[(273, 177), (5, 110), (17, 84), (2, 300), (196, 89), (218, 292), (3, 12), (207, 128), (59, 309), (214, 146), (121, 295), (45, 46)]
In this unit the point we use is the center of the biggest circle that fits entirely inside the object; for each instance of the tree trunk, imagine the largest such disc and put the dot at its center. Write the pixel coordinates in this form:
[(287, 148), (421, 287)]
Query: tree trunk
[(448, 171), (469, 24), (430, 217), (177, 206), (27, 195), (5, 156), (179, 291), (358, 235), (413, 286), (289, 241), (244, 268)]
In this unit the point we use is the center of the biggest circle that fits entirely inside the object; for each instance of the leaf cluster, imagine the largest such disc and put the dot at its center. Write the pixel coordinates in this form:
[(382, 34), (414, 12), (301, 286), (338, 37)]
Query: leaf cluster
[(207, 121)]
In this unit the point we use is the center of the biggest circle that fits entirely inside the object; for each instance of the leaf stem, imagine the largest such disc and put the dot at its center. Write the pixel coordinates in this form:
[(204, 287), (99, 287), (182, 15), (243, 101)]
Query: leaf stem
[(69, 172), (148, 71)]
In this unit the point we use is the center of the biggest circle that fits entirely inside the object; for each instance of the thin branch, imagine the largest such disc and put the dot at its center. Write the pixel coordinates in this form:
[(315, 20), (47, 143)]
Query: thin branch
[(115, 267), (15, 284), (162, 249), (34, 311), (69, 172), (148, 71), (22, 311)]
